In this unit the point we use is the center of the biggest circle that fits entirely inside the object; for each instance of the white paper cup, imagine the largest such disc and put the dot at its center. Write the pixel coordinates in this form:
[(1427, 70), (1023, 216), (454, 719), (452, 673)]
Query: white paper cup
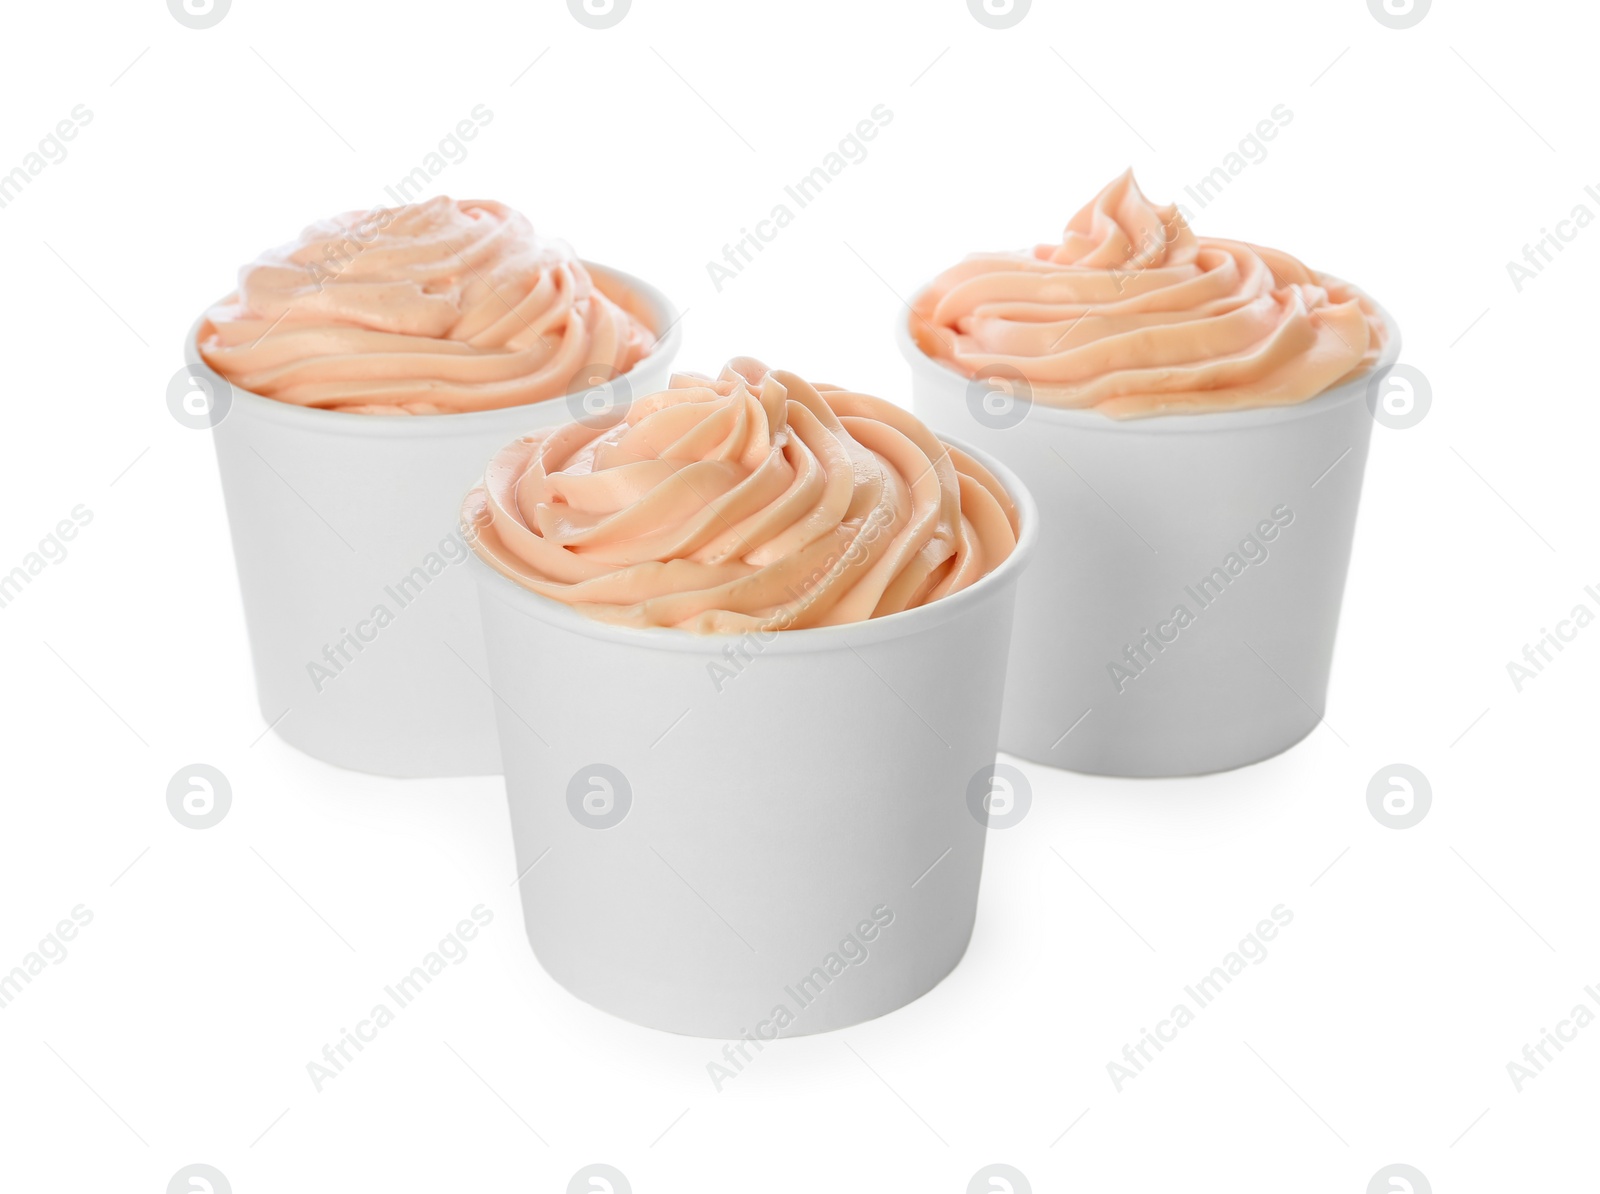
[(1134, 514), (704, 824), (336, 517)]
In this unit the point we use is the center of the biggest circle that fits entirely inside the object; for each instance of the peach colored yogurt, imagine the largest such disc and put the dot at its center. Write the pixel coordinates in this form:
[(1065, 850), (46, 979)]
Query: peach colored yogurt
[(439, 307), (753, 500), (1134, 315)]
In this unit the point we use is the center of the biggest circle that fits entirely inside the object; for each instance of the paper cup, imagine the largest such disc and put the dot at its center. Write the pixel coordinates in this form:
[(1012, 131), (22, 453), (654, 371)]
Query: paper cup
[(363, 623), (758, 836), (1243, 520)]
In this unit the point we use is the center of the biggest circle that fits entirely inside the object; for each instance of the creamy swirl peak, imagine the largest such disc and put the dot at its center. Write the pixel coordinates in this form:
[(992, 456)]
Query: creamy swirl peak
[(1135, 315), (439, 307), (749, 501)]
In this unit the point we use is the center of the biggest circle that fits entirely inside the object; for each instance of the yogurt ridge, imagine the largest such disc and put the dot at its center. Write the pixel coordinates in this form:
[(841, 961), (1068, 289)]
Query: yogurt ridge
[(439, 307), (1134, 315), (749, 501)]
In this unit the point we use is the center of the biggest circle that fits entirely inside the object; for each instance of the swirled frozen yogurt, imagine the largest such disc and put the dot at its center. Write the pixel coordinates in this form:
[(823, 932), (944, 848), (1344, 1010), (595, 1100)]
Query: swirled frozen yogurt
[(752, 500), (434, 308), (1134, 315)]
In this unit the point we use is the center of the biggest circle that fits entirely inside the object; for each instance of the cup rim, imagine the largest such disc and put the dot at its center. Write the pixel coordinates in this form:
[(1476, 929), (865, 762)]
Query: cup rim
[(659, 311), (1172, 422), (814, 639)]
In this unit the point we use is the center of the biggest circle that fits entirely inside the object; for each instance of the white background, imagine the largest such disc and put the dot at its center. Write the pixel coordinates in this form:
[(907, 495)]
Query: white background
[(218, 963)]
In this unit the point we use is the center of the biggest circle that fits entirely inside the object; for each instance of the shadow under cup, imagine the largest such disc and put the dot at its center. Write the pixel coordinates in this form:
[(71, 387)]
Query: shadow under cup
[(1180, 617), (769, 834), (361, 613)]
